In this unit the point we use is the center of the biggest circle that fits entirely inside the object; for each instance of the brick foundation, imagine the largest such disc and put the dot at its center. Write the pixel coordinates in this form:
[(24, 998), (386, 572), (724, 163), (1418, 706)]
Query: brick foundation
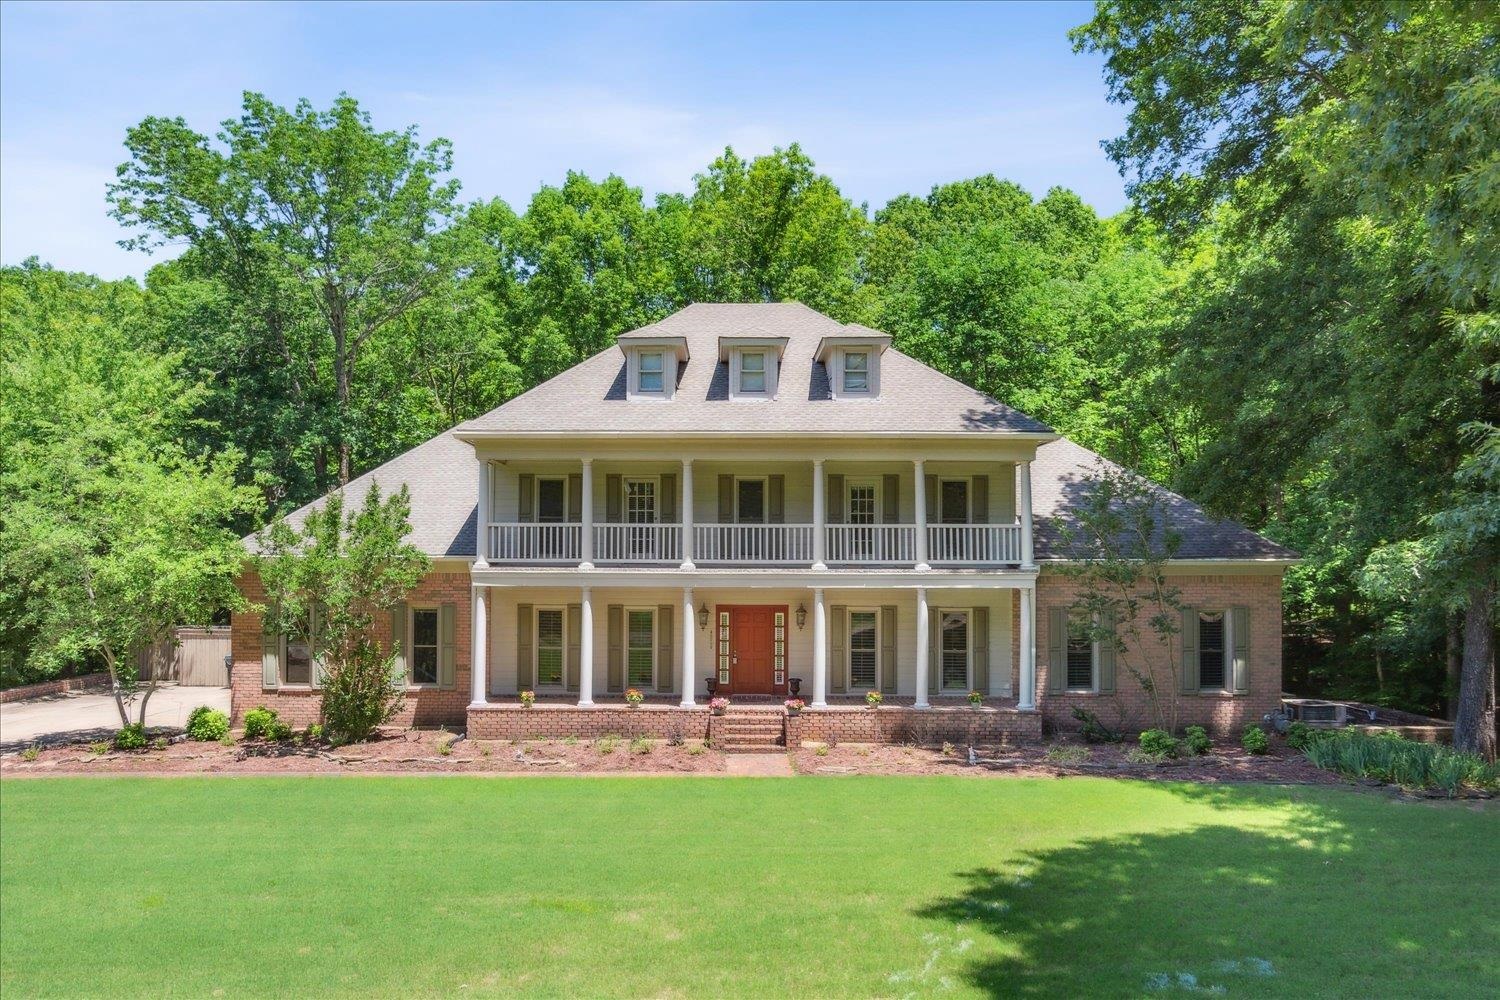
[(924, 727), (46, 688), (545, 722)]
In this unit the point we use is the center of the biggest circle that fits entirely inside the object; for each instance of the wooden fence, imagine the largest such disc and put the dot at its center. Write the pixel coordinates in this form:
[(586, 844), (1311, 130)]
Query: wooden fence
[(197, 658)]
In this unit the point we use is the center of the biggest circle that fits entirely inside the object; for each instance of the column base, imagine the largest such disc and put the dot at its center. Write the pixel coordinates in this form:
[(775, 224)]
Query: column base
[(923, 567), (921, 704), (585, 565), (687, 703), (688, 564), (585, 704), (819, 704), (1023, 707), (820, 566), (480, 564), (478, 704)]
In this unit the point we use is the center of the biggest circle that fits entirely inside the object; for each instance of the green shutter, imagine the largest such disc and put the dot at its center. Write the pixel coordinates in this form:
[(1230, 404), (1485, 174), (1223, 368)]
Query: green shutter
[(979, 500), (270, 658), (525, 629), (890, 499), (979, 630), (575, 498), (838, 642), (614, 498), (575, 646), (399, 677), (666, 504), (1189, 677), (934, 650), (614, 675), (447, 645), (1240, 626), (726, 499), (664, 649), (1107, 655), (835, 500), (315, 627), (775, 499), (525, 497), (1057, 644), (888, 649)]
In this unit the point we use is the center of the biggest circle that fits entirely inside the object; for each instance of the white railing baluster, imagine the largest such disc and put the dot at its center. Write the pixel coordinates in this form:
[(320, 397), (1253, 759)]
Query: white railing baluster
[(974, 544)]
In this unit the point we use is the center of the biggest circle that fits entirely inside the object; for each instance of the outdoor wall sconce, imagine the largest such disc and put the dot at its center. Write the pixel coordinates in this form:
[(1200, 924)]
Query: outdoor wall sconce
[(702, 616), (801, 617)]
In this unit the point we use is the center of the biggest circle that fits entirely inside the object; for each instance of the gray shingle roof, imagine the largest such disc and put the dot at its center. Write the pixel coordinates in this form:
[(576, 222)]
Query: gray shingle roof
[(1057, 480), (590, 397)]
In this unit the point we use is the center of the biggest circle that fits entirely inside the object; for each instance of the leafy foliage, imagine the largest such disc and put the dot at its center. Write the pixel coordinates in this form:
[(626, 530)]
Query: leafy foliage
[(258, 722), (1159, 743), (207, 725), (131, 736), (1255, 740)]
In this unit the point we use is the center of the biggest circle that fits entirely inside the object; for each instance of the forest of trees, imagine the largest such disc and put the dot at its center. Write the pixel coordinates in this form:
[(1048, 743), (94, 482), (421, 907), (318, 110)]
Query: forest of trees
[(1292, 325)]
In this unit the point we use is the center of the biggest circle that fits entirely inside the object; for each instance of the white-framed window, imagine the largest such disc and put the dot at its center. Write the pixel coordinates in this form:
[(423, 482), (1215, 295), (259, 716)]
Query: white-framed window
[(862, 500), (1214, 656), (856, 371), (864, 649), (640, 500), (1082, 654), (753, 371), (955, 650), (550, 651), (422, 659), (953, 501), (648, 376), (640, 647)]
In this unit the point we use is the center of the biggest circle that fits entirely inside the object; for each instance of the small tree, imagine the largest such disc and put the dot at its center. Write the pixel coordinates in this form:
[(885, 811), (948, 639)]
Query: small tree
[(1119, 542), (332, 578)]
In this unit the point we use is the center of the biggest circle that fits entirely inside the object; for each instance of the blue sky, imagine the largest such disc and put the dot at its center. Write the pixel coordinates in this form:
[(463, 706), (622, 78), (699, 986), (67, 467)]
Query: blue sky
[(887, 98)]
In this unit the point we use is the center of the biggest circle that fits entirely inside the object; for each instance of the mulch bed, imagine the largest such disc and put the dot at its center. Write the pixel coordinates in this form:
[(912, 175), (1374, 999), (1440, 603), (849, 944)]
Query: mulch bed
[(396, 751)]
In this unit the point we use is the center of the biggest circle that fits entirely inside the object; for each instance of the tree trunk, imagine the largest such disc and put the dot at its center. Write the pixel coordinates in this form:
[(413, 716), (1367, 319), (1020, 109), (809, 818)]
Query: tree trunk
[(114, 685), (1455, 655), (1474, 723)]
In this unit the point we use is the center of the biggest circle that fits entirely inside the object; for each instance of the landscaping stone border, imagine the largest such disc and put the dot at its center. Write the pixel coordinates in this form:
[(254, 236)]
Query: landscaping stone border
[(46, 688)]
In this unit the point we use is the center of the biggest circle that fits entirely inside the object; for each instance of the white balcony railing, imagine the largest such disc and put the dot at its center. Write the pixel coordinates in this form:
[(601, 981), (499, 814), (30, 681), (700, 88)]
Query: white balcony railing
[(754, 544), (638, 543), (535, 543), (973, 544), (872, 544)]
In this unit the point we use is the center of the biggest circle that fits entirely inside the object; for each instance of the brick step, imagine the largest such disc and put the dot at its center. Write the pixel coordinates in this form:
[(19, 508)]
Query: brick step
[(730, 747), (759, 739), (753, 727)]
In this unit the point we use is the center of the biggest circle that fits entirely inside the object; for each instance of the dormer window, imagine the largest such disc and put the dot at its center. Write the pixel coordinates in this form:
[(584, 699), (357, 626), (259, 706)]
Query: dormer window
[(753, 372), (856, 371), (648, 375)]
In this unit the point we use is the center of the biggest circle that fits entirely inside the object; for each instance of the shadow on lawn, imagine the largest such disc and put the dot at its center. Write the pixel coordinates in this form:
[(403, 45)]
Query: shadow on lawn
[(1188, 911)]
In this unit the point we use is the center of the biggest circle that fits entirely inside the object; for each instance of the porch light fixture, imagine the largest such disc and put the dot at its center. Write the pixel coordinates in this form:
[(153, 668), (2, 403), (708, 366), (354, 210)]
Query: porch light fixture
[(801, 616), (702, 616)]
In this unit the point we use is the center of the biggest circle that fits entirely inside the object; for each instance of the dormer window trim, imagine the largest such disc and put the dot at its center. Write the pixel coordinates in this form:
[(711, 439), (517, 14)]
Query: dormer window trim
[(856, 378), (652, 366), (649, 372), (861, 380), (764, 371)]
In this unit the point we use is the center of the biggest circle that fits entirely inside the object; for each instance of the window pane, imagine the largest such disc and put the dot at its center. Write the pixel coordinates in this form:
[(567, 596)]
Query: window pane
[(752, 373), (862, 504), (651, 362), (648, 373), (1211, 650), (639, 640), (752, 494), (424, 664), (649, 381), (298, 662), (549, 651), (862, 649), (1080, 654), (753, 363), (424, 640), (856, 372), (954, 501), (424, 627), (955, 650), (551, 500)]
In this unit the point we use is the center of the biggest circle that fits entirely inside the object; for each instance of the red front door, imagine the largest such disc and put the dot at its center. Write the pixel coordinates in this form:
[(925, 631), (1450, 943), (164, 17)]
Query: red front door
[(752, 649)]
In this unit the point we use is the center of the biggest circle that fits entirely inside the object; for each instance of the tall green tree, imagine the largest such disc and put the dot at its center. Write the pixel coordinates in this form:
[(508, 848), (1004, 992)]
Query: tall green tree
[(321, 232)]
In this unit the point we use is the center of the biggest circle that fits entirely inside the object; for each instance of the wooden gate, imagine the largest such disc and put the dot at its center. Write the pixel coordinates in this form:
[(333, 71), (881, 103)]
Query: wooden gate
[(197, 658)]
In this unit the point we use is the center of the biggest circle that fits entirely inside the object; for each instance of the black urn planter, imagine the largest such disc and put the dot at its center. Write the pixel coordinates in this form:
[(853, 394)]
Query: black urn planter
[(796, 683)]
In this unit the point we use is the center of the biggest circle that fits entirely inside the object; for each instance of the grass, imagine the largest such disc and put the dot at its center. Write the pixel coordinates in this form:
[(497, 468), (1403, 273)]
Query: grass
[(722, 887)]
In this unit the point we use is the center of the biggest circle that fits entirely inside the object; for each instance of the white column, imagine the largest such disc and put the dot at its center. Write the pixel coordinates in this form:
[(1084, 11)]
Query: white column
[(587, 508), (687, 522), (921, 502), (479, 658), (482, 514), (586, 648), (820, 517), (1028, 649), (820, 650), (924, 624), (1023, 501), (689, 647)]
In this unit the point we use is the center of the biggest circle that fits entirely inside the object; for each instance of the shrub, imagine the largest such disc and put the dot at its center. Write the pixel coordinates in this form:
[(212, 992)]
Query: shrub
[(314, 733), (1159, 743), (949, 749), (1299, 736), (131, 737), (1196, 740), (445, 748), (31, 753), (99, 748), (1391, 758), (822, 750), (278, 731), (1068, 755), (696, 750), (206, 725), (570, 741), (640, 746), (1092, 729), (1254, 739), (258, 722), (160, 743), (607, 744)]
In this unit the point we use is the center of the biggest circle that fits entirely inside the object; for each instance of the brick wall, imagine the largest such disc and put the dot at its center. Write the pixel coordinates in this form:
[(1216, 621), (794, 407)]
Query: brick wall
[(925, 727), (45, 688), (515, 722), (300, 706), (1222, 714)]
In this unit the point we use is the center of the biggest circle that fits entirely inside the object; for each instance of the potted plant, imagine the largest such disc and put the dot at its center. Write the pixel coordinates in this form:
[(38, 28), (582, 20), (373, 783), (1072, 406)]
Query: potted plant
[(633, 698), (874, 698), (976, 699), (528, 698), (718, 705), (794, 706)]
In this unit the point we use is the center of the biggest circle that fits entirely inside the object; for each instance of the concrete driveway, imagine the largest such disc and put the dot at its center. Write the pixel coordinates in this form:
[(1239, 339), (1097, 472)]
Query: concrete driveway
[(76, 715)]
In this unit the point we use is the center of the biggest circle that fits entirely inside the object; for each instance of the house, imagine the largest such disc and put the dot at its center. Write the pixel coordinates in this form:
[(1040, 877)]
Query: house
[(758, 500)]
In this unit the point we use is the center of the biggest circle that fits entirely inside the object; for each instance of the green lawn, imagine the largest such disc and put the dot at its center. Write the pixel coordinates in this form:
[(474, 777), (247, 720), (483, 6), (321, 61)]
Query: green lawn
[(711, 887)]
